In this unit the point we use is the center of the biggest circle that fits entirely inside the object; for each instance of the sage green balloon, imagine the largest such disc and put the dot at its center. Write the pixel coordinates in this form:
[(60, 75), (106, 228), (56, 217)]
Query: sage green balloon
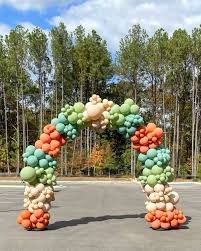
[(151, 180), (156, 170), (146, 172), (120, 120), (28, 174), (129, 101), (73, 118), (125, 109), (79, 107), (115, 109), (134, 109)]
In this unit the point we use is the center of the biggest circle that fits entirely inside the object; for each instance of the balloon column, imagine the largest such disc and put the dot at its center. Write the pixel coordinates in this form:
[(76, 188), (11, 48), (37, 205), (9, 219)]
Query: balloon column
[(99, 115)]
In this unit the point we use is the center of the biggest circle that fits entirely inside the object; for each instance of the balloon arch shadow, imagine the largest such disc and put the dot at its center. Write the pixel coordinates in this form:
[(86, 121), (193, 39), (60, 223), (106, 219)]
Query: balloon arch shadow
[(99, 115)]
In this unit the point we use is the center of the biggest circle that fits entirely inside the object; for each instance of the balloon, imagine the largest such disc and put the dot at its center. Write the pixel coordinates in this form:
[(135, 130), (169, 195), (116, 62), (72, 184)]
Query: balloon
[(125, 109), (39, 154), (134, 109), (32, 161), (28, 174), (79, 107), (30, 149), (151, 180), (151, 153)]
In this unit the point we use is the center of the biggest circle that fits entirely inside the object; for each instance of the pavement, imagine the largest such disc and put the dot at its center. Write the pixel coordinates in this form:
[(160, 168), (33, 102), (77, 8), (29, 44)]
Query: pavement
[(106, 216)]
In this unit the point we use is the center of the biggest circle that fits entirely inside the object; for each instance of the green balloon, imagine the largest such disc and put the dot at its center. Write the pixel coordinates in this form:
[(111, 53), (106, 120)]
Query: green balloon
[(151, 153), (149, 163), (134, 109), (43, 163), (60, 127), (151, 180), (32, 161), (39, 154), (122, 129), (115, 109), (146, 172), (79, 107), (73, 118), (125, 109), (49, 170), (120, 120), (156, 170), (30, 149), (28, 174), (129, 101)]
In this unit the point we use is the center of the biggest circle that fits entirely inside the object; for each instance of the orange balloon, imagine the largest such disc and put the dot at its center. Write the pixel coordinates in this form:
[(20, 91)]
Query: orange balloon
[(25, 214), (144, 149), (33, 219), (46, 216), (48, 129), (144, 141), (41, 220), (152, 146), (158, 132), (46, 147), (156, 224), (170, 215), (182, 221), (134, 139), (45, 138), (141, 135), (174, 223), (46, 222), (19, 219), (150, 127), (54, 144), (165, 225), (26, 224), (40, 225), (55, 135), (159, 214), (154, 139), (38, 144), (142, 130), (147, 218), (137, 133), (63, 141), (149, 135), (38, 213)]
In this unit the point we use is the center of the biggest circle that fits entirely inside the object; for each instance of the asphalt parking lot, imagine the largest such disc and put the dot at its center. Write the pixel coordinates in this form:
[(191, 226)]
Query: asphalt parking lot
[(99, 216)]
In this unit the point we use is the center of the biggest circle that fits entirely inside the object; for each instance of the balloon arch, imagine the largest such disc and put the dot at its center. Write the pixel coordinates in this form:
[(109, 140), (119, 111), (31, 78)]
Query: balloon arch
[(98, 114)]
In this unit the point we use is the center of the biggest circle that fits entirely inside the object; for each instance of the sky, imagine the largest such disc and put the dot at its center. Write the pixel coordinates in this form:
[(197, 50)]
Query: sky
[(111, 18)]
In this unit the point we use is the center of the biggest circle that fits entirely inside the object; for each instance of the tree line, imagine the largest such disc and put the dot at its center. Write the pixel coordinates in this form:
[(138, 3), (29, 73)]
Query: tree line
[(40, 73)]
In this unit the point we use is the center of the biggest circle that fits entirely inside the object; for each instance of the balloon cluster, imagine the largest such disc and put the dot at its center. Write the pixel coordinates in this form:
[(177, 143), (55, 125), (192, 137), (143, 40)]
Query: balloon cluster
[(96, 113), (40, 164), (38, 196), (156, 174), (125, 118), (146, 138), (39, 219), (165, 219)]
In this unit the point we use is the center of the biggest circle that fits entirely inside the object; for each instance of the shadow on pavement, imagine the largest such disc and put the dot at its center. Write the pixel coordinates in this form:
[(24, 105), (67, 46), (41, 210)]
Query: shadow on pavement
[(86, 220)]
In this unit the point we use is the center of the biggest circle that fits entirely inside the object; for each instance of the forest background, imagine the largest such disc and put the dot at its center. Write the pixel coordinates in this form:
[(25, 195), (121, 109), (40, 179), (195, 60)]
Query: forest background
[(40, 73)]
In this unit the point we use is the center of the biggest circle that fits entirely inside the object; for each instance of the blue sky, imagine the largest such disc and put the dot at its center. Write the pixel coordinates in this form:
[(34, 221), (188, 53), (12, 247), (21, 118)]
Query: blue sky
[(111, 18)]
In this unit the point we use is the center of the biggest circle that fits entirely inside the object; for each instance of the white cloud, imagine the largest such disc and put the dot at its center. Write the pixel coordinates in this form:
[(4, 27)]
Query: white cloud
[(113, 18), (4, 29), (32, 4)]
